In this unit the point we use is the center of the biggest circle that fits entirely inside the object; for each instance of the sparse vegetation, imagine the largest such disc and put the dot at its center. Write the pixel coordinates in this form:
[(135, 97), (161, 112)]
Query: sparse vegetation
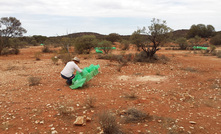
[(108, 123), (55, 60), (133, 116), (33, 81), (38, 55), (131, 95), (90, 102)]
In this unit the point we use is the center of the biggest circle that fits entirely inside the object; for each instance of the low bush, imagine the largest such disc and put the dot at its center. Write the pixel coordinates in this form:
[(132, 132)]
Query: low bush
[(8, 51), (218, 54), (38, 55), (46, 49), (90, 102), (133, 116), (65, 58), (34, 80), (55, 60), (108, 123)]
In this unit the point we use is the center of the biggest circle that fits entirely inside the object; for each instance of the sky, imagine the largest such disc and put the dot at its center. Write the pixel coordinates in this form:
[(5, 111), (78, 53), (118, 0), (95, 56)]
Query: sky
[(61, 17)]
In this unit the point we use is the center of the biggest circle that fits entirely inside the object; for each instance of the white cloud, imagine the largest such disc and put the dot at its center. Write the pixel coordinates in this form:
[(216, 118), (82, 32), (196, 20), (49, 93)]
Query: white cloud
[(178, 14)]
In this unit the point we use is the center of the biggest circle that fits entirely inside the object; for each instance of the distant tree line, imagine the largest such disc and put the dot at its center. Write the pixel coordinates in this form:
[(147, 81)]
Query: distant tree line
[(147, 40)]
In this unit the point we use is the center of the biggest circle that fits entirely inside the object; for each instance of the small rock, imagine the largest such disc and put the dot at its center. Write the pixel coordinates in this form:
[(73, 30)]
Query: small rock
[(192, 122), (88, 119), (79, 121), (54, 132)]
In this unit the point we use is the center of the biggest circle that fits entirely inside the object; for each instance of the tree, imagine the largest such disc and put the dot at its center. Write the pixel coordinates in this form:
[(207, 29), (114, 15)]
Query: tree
[(105, 46), (9, 27), (113, 37), (201, 30), (158, 32), (182, 43), (85, 43), (216, 40), (137, 39)]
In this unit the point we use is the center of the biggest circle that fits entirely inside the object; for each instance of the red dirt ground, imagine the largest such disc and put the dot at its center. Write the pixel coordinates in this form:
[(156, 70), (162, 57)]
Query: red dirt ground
[(182, 95)]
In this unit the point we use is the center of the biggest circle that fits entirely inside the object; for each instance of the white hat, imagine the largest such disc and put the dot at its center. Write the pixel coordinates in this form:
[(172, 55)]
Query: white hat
[(76, 59)]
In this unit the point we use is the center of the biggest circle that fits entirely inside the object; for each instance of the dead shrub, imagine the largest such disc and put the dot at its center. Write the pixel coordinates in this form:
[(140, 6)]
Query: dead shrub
[(133, 115), (108, 123), (55, 60), (65, 110), (46, 49), (90, 102), (38, 55), (189, 69), (34, 80), (65, 58), (131, 95), (218, 54)]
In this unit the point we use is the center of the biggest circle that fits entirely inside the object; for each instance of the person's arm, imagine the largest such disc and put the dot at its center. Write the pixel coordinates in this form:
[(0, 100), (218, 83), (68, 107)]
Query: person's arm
[(77, 68)]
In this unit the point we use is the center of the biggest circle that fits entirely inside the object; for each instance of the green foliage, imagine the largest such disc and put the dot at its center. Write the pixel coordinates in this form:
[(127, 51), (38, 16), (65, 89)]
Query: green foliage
[(158, 33), (125, 45), (212, 48), (105, 46), (85, 43), (113, 37), (137, 39), (9, 27), (39, 38), (194, 41), (182, 43), (216, 40), (201, 30)]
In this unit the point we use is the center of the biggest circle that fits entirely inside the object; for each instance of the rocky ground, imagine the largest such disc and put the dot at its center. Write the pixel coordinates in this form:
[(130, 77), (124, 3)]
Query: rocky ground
[(182, 95)]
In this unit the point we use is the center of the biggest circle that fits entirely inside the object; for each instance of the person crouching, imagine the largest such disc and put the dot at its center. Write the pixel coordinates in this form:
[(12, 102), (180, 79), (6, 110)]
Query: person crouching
[(68, 71)]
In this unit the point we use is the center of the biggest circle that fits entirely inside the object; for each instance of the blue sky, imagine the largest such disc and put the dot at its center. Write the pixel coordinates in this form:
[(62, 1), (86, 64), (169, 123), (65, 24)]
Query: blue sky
[(59, 17)]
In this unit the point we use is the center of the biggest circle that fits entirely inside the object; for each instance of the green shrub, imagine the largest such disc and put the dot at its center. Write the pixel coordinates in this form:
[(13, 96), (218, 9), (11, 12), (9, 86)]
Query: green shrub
[(182, 43), (85, 43), (216, 40), (105, 46), (125, 45)]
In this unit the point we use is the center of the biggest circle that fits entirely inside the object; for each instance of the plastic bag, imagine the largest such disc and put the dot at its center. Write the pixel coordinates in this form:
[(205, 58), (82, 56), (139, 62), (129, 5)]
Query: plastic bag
[(87, 74)]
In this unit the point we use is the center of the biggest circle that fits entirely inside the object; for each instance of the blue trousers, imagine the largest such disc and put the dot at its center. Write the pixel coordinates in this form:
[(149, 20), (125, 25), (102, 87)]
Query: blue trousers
[(69, 79)]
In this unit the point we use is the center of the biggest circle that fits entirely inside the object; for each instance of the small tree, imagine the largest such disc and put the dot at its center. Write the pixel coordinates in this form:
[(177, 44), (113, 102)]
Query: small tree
[(216, 40), (113, 37), (201, 30), (125, 45), (105, 46), (85, 43), (195, 40), (158, 32), (9, 27), (182, 43)]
